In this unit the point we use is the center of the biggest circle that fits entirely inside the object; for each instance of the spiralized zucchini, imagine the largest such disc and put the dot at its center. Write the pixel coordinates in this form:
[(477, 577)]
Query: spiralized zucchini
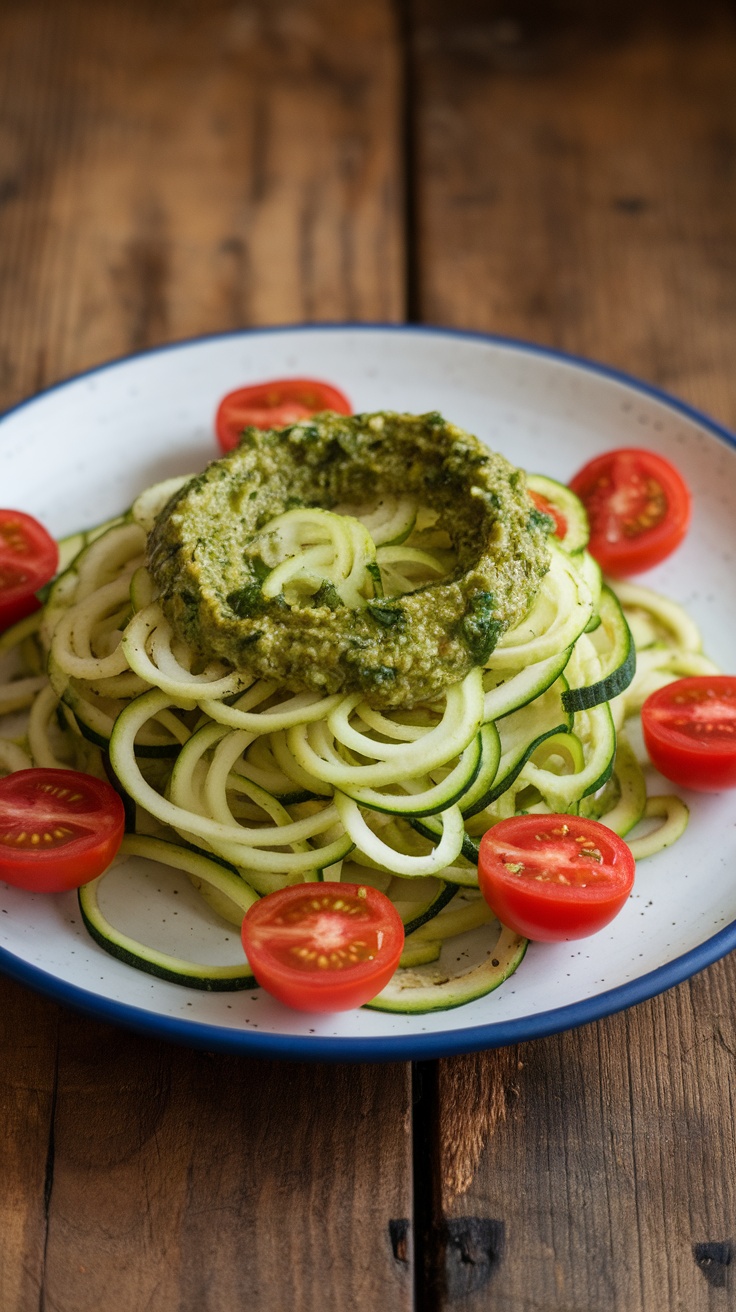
[(285, 787)]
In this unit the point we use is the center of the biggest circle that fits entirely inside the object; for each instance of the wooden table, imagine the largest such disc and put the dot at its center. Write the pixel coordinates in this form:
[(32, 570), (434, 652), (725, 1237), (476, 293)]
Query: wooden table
[(557, 170)]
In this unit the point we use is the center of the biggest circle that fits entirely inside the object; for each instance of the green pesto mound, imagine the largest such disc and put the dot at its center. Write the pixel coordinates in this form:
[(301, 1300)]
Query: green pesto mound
[(211, 587)]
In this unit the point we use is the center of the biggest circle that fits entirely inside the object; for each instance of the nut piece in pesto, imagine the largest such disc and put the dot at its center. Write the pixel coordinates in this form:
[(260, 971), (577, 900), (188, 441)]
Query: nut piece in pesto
[(207, 556)]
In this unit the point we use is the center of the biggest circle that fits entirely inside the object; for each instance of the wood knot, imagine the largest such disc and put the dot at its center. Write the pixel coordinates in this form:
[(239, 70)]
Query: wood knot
[(398, 1233), (473, 1247), (714, 1259)]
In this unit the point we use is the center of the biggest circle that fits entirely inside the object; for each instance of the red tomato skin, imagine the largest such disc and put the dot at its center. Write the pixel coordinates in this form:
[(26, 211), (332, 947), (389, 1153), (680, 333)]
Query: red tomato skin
[(705, 765), (650, 545), (274, 405), (322, 990), (546, 911), (99, 814), (29, 557)]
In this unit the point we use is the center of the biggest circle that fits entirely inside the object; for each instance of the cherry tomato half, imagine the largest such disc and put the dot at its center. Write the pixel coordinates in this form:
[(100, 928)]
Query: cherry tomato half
[(323, 947), (555, 515), (58, 828), (638, 506), (690, 731), (274, 405), (552, 877), (28, 559)]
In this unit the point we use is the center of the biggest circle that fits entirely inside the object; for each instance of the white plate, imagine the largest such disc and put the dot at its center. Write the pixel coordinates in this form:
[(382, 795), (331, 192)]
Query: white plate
[(79, 453)]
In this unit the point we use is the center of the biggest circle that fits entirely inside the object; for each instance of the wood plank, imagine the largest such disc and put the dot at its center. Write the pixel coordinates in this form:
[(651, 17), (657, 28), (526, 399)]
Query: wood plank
[(575, 184), (589, 1169), (168, 170), (578, 183), (28, 1042), (196, 1181), (185, 168)]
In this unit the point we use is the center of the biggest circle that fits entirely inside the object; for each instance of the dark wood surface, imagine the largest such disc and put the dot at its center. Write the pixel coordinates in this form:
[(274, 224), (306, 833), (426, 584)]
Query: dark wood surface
[(559, 170)]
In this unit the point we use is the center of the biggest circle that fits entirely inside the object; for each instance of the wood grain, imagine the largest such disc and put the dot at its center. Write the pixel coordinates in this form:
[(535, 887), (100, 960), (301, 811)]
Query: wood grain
[(575, 183), (195, 1181), (172, 169), (28, 1043), (181, 168), (603, 1177), (576, 180)]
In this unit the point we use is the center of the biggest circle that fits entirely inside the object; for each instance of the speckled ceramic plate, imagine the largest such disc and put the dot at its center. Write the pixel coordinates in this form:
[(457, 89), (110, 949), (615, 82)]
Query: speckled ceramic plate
[(79, 453)]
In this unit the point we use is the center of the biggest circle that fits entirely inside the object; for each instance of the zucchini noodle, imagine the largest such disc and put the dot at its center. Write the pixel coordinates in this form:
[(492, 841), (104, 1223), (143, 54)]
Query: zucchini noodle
[(248, 787)]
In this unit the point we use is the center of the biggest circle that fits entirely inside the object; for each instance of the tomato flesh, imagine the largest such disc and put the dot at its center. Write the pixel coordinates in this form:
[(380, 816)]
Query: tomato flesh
[(28, 558), (555, 515), (690, 731), (638, 506), (58, 828), (325, 946), (554, 877), (274, 405)]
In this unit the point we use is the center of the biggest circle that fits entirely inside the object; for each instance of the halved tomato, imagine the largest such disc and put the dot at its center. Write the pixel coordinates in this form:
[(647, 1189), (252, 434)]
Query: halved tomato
[(552, 877), (690, 731), (638, 506), (323, 947), (274, 405), (28, 558), (58, 828)]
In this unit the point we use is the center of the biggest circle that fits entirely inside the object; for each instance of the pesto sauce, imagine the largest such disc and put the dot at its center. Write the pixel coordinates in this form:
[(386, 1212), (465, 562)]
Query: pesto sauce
[(396, 651)]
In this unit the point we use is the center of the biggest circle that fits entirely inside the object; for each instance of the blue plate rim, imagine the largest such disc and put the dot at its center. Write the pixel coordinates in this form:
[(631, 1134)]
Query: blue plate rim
[(417, 1046)]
